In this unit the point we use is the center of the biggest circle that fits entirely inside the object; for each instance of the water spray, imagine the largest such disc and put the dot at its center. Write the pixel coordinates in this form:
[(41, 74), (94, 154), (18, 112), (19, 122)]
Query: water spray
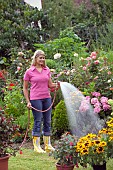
[(82, 118)]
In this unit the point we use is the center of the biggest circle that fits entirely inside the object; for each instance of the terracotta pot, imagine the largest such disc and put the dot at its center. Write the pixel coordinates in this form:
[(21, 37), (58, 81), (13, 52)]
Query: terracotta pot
[(99, 167), (4, 162), (64, 167)]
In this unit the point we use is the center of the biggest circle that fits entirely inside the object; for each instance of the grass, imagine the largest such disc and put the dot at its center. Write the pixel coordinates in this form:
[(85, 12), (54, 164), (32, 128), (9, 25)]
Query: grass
[(30, 160)]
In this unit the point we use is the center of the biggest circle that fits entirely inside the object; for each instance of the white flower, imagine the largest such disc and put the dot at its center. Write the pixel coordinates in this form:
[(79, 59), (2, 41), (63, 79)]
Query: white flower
[(109, 81), (73, 70), (52, 70), (20, 53), (75, 54), (57, 55)]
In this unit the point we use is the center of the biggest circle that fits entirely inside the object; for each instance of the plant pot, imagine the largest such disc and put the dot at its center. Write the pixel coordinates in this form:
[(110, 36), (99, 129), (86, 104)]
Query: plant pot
[(64, 167), (4, 162), (99, 167)]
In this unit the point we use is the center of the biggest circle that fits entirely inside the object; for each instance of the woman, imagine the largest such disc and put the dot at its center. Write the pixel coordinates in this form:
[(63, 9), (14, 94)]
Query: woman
[(39, 76)]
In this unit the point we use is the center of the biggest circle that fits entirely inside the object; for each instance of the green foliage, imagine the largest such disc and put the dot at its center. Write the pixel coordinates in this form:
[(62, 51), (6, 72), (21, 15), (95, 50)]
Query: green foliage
[(8, 129), (14, 101), (49, 162), (51, 64), (110, 101), (67, 45), (60, 14), (60, 119), (22, 19), (104, 40)]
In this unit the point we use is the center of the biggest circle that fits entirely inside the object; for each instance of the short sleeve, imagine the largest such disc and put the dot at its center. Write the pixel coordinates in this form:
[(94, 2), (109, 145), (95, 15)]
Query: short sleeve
[(26, 76)]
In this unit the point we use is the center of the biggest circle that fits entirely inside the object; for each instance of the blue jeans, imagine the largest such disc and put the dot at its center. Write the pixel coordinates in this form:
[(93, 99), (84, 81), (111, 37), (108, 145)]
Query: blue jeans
[(41, 104)]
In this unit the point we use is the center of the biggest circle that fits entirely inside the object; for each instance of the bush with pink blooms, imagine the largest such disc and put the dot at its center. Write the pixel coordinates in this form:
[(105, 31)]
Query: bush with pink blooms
[(100, 104), (94, 74)]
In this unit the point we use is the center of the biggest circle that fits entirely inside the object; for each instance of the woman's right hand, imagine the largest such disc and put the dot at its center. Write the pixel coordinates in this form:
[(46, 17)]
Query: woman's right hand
[(29, 105)]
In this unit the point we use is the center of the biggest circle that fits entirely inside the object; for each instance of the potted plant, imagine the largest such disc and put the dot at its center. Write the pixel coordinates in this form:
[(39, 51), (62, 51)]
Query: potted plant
[(65, 152), (96, 149), (7, 132)]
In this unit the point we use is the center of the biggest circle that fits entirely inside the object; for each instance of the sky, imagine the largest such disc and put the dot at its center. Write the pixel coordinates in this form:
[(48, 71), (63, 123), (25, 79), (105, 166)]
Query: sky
[(35, 3)]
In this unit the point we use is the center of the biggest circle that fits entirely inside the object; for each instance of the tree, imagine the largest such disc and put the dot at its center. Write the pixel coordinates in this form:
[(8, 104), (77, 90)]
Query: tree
[(19, 27)]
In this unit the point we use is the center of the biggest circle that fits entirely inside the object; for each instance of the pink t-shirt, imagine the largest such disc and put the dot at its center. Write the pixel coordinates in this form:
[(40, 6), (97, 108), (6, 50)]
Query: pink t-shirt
[(39, 82)]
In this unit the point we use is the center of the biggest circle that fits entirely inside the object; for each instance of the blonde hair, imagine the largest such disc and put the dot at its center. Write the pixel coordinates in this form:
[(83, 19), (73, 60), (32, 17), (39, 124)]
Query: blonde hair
[(37, 53)]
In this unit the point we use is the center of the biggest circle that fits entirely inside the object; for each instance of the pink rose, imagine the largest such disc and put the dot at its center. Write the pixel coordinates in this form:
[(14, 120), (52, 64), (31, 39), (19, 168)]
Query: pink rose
[(94, 57), (96, 62), (84, 68), (93, 53)]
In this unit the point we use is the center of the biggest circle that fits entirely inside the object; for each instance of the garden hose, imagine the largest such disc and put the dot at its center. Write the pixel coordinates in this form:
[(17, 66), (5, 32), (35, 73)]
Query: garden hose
[(29, 118), (48, 107)]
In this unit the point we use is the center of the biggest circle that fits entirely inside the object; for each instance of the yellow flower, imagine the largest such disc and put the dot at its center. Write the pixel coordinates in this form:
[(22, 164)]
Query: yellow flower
[(84, 151), (96, 142), (100, 150), (103, 144), (103, 131)]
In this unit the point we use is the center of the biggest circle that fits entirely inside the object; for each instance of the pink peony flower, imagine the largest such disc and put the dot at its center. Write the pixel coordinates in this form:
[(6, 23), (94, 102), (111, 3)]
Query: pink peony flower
[(97, 104), (104, 100), (97, 109), (96, 94), (94, 100), (106, 107)]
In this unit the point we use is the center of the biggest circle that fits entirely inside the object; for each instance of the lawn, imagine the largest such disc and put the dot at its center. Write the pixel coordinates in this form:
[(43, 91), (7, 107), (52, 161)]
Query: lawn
[(30, 160)]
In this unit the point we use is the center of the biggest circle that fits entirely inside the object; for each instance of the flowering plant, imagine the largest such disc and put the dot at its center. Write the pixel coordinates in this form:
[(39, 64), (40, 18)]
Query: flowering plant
[(100, 104), (96, 149), (65, 151)]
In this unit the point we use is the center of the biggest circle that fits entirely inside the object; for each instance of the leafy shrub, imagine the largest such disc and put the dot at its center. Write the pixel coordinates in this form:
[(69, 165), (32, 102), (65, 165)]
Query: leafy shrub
[(14, 100), (51, 63), (8, 130), (60, 120)]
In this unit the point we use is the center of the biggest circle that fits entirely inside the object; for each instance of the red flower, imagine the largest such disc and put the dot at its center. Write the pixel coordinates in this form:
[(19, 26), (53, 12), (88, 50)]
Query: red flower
[(1, 75), (21, 152), (11, 84)]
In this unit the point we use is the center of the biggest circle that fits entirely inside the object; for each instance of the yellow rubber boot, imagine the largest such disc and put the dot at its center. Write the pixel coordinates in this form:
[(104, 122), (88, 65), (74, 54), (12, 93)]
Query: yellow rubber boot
[(47, 143), (36, 144)]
